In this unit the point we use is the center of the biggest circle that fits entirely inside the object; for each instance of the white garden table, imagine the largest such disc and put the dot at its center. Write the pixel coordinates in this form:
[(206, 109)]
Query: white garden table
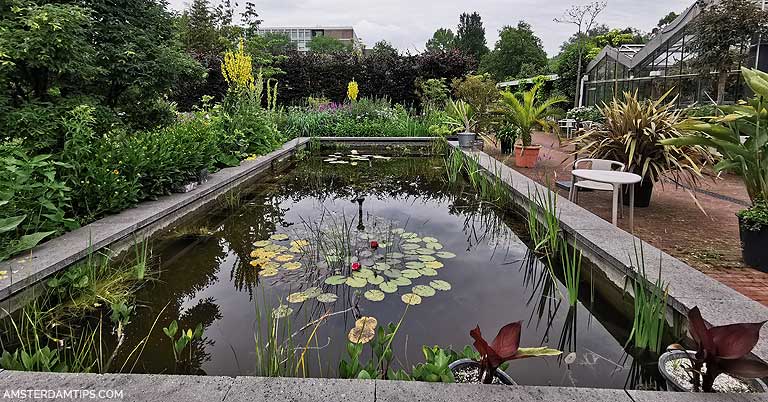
[(616, 179)]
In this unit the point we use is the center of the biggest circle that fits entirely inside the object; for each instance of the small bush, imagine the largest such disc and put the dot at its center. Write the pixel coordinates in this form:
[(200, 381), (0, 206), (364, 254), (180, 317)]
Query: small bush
[(586, 113)]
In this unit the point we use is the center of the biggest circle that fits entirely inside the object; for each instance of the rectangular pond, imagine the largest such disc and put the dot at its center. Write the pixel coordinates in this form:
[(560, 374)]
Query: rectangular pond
[(279, 270)]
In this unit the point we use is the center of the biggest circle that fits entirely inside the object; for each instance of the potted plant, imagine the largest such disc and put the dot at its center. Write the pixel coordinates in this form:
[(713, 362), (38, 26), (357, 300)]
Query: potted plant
[(524, 112), (461, 116), (505, 347), (740, 135), (718, 364), (633, 133), (507, 135)]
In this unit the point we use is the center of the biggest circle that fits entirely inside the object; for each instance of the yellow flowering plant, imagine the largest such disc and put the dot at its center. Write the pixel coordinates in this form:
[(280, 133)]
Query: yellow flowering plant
[(352, 90), (237, 69)]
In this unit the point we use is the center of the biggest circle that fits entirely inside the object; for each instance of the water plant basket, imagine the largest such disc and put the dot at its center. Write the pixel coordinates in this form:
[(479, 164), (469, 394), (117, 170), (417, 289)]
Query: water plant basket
[(674, 384), (466, 140), (460, 364), (753, 246)]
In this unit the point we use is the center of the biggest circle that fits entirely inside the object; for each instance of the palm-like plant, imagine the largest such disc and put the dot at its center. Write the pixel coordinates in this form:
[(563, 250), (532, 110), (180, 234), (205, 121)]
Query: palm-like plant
[(635, 133), (524, 112), (460, 116)]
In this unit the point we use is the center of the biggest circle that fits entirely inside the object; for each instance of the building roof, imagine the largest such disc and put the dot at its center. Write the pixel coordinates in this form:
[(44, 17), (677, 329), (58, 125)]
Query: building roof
[(308, 27)]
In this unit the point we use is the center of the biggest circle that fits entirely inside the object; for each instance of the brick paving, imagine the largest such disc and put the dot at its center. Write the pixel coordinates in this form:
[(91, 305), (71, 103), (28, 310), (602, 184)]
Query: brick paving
[(708, 241)]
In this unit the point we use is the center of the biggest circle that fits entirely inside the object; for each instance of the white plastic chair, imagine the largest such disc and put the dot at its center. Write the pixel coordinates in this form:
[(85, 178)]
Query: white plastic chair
[(594, 164)]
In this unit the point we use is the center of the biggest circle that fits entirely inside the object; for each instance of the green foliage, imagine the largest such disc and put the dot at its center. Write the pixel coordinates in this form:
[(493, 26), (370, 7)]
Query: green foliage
[(755, 217), (635, 133), (326, 44), (518, 54), (664, 21), (378, 367), (650, 307), (480, 92), (470, 36), (586, 113), (433, 93), (443, 40), (436, 361), (184, 339), (44, 359), (461, 116), (525, 111)]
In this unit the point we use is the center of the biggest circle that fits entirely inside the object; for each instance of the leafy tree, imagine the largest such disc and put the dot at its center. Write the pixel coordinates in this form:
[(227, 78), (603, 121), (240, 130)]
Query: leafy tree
[(384, 48), (470, 36), (664, 21), (198, 30), (326, 44), (517, 46), (720, 31), (442, 40), (480, 92), (433, 93), (565, 65)]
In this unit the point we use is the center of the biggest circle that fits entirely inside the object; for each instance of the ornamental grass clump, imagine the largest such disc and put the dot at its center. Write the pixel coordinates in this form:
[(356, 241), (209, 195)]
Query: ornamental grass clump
[(633, 134)]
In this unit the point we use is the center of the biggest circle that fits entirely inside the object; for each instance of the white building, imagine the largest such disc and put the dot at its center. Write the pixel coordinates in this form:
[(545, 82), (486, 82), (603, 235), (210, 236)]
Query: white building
[(302, 35)]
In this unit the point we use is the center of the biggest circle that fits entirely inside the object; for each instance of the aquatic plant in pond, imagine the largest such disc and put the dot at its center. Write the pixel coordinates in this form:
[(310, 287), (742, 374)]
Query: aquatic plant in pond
[(650, 307)]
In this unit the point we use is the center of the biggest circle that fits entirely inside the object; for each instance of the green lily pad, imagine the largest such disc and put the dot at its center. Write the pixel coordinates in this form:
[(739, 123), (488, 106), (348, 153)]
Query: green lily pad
[(292, 266), (376, 280), (408, 235), (413, 240), (423, 290), (433, 246), (445, 254), (393, 273), (336, 280), (426, 258), (409, 246), (356, 282), (428, 272), (433, 264), (363, 273), (388, 287), (395, 254), (411, 252), (279, 237), (282, 311), (410, 298), (411, 273), (262, 243), (327, 298), (268, 272), (375, 295), (425, 251), (402, 281), (312, 292), (414, 264), (429, 240), (381, 266), (440, 284), (298, 297)]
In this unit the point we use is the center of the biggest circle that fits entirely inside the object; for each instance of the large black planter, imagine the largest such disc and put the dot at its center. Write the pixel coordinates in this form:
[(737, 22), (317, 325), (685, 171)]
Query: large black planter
[(506, 146), (754, 246), (643, 192)]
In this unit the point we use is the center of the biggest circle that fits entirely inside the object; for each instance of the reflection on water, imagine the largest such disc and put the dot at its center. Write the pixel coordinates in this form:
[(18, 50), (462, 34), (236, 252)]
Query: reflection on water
[(426, 230)]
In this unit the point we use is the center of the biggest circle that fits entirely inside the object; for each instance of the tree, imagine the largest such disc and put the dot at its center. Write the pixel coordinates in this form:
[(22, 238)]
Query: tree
[(584, 17), (198, 30), (470, 36), (720, 31), (326, 44), (517, 46), (667, 19), (383, 47), (442, 40), (566, 63)]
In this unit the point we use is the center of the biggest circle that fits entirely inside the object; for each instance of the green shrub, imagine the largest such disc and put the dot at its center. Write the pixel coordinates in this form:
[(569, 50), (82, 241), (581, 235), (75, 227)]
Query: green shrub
[(756, 217), (586, 113)]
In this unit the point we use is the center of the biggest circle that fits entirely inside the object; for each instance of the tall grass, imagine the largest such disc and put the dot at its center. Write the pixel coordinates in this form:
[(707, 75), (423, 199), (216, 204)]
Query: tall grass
[(650, 307)]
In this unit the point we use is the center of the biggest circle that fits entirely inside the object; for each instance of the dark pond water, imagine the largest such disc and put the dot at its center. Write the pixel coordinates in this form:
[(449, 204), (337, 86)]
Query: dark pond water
[(441, 231)]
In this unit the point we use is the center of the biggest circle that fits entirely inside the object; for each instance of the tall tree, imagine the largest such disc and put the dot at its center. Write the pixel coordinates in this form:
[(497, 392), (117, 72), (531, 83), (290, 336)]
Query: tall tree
[(470, 36), (326, 44), (442, 40), (584, 17), (516, 47), (721, 32), (664, 21), (385, 48)]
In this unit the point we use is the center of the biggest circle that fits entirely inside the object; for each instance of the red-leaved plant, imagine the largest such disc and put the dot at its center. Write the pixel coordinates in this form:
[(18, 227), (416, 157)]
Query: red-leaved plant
[(505, 347), (723, 349)]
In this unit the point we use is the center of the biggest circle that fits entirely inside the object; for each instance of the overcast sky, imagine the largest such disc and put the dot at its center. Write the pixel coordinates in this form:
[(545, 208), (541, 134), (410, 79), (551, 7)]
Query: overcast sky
[(408, 24)]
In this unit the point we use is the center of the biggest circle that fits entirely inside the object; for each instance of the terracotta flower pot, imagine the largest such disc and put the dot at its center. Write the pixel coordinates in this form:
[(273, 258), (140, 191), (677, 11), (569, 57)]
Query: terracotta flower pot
[(526, 157)]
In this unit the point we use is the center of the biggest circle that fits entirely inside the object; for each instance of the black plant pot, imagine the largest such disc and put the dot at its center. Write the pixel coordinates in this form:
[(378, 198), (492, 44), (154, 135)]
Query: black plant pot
[(460, 364), (754, 246), (643, 192), (506, 146)]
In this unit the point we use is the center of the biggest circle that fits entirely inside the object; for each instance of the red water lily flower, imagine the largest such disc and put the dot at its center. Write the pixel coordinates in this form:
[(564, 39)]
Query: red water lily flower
[(356, 266), (723, 349), (374, 244)]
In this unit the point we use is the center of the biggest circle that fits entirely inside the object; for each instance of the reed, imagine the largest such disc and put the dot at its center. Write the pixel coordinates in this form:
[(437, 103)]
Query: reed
[(650, 306)]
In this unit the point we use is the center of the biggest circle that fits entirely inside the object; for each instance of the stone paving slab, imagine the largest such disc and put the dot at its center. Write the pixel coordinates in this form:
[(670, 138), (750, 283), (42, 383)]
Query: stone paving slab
[(248, 389), (615, 250), (58, 253)]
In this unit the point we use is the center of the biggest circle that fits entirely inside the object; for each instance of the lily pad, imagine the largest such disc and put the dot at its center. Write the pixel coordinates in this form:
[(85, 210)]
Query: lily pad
[(410, 246), (364, 330), (312, 292), (429, 240), (356, 282), (363, 273), (282, 311), (279, 237), (428, 272), (414, 264), (411, 273), (271, 265), (393, 273), (336, 280), (394, 254), (445, 254), (402, 281), (426, 258), (434, 264), (423, 290), (381, 266), (299, 243), (388, 287), (259, 263), (408, 235), (440, 284), (410, 298), (298, 297), (262, 243), (292, 266), (425, 251), (327, 297), (268, 272), (413, 240), (433, 246), (411, 252), (284, 258), (375, 295), (376, 280)]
